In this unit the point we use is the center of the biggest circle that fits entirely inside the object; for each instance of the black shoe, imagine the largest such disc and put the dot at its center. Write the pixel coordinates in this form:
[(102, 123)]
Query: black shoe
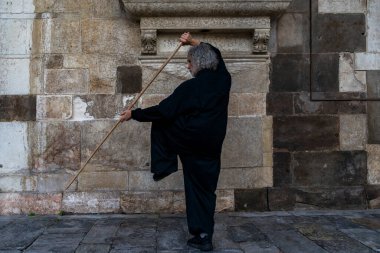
[(204, 244), (159, 176)]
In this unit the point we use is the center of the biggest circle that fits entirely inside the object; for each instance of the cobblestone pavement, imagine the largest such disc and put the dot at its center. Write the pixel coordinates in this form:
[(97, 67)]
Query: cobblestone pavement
[(269, 232)]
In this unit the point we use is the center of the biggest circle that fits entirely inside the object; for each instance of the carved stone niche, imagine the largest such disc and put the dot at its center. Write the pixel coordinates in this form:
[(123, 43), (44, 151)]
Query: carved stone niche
[(241, 27)]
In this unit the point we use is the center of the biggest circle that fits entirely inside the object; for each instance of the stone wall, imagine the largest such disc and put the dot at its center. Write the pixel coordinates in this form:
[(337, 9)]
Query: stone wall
[(68, 68)]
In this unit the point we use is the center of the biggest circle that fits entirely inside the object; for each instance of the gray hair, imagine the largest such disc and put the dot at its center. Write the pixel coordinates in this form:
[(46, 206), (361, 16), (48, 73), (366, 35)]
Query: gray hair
[(203, 57)]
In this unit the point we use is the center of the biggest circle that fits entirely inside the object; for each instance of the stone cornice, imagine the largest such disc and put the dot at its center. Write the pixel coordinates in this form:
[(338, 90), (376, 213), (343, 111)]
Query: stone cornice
[(186, 8)]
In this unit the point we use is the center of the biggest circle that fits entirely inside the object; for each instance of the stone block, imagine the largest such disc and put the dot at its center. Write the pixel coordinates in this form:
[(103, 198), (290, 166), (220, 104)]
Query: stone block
[(107, 9), (242, 73), (48, 183), (147, 202), (290, 73), (373, 126), (54, 61), (367, 61), (143, 180), (304, 105), (128, 147), (102, 85), (15, 36), (373, 87), (331, 198), (373, 196), (353, 132), (14, 76), (282, 174), (151, 100), (306, 133), (117, 36), (77, 61), (352, 107), (258, 177), (243, 143), (267, 125), (373, 163), (293, 33), (17, 183), (36, 78), (14, 146), (55, 146), (129, 79), (112, 180), (251, 104), (339, 33), (325, 73), (336, 168), (25, 203), (66, 81), (73, 6), (342, 6), (100, 106), (251, 199), (91, 202), (280, 103), (54, 107), (281, 199), (17, 108), (233, 105), (225, 201), (373, 32), (14, 6), (62, 36), (349, 79), (299, 6)]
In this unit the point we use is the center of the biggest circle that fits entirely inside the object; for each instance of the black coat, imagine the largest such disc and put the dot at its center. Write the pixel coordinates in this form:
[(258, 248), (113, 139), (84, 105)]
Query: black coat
[(196, 112)]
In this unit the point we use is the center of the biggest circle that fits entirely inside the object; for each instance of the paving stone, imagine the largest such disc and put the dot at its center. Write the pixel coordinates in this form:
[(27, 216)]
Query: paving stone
[(367, 237), (222, 238), (64, 243), (266, 224), (100, 234), (71, 226), (171, 238), (93, 248), (132, 237)]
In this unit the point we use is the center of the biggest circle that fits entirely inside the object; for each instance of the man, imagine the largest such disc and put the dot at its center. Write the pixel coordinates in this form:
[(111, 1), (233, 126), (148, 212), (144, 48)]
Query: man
[(191, 123)]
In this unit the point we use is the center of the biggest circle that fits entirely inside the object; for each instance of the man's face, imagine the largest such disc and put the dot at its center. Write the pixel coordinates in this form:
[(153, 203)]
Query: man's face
[(190, 66)]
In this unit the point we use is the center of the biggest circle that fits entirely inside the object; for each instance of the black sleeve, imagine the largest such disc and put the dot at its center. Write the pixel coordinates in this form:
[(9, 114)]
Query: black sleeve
[(147, 115)]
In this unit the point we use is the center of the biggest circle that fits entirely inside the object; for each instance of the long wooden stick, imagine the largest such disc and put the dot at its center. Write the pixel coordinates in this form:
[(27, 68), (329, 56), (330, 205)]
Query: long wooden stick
[(129, 107)]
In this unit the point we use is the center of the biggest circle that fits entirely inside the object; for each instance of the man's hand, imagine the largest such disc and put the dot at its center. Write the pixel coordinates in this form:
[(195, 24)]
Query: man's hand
[(186, 39), (125, 115)]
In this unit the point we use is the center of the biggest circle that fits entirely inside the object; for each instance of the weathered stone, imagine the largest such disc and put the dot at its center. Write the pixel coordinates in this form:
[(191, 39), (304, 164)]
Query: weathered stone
[(127, 148), (373, 19), (17, 108), (373, 196), (14, 76), (121, 37), (251, 104), (290, 72), (367, 237), (325, 73), (282, 175), (54, 107), (299, 6), (306, 133), (14, 6), (338, 33), (151, 100), (339, 6), (14, 146), (373, 164), (143, 180), (98, 248), (332, 198), (367, 61), (280, 199), (246, 178), (352, 107), (17, 183), (47, 182), (64, 36), (337, 96), (279, 103), (54, 61), (113, 180), (304, 105), (335, 168), (84, 6), (36, 84), (129, 79), (91, 202), (107, 9), (373, 88), (293, 33), (102, 106), (102, 85), (243, 143), (56, 146), (147, 202), (349, 79), (77, 61), (16, 36), (251, 199), (101, 233), (242, 73), (56, 242), (353, 132), (66, 81), (24, 203), (75, 225)]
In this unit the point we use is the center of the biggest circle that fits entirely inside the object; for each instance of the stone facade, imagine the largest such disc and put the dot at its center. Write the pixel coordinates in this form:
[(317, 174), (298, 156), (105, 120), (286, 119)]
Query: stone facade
[(68, 68)]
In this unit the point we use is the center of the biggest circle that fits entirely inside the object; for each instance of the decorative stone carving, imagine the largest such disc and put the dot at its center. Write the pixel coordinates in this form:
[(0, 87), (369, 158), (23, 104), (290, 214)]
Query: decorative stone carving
[(260, 40), (149, 41)]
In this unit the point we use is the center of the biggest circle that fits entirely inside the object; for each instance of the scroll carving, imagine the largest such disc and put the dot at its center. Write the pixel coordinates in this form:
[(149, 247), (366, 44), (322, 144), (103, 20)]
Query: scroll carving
[(260, 40), (149, 42)]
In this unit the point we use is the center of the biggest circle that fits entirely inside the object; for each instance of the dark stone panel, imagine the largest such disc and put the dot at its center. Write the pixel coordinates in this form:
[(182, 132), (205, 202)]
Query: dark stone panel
[(251, 199), (279, 103), (352, 107), (338, 96), (325, 73), (54, 61), (298, 133), (336, 168), (374, 127), (290, 73), (281, 169), (331, 198), (338, 33), (281, 199), (373, 195), (18, 108), (373, 83), (373, 88), (299, 6), (129, 79), (304, 105)]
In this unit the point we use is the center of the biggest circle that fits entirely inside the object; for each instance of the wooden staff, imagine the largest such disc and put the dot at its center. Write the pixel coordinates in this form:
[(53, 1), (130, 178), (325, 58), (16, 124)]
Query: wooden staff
[(129, 108)]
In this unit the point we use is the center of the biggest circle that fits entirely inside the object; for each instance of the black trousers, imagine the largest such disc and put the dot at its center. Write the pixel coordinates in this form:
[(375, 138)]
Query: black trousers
[(200, 173)]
